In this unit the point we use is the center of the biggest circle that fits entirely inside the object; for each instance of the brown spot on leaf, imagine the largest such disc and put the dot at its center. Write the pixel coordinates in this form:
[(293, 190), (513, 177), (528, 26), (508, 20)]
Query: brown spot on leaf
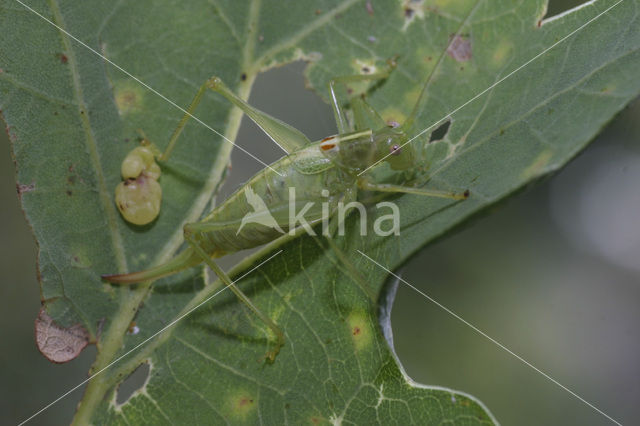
[(244, 401), (459, 48), (63, 58), (360, 330), (128, 97), (56, 343)]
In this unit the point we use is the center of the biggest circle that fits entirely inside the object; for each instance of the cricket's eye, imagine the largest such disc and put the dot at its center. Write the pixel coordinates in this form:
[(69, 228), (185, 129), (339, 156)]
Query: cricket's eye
[(395, 149)]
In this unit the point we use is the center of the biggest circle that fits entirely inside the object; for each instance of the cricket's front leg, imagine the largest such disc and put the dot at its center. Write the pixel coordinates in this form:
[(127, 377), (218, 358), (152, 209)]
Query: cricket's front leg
[(334, 226)]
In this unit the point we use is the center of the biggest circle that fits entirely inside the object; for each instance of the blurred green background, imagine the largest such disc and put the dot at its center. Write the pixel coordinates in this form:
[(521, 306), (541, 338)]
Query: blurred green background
[(553, 274)]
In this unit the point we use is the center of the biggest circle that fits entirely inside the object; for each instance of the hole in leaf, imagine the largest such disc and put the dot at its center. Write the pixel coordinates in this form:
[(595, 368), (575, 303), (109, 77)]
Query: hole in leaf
[(135, 381), (559, 7), (440, 132)]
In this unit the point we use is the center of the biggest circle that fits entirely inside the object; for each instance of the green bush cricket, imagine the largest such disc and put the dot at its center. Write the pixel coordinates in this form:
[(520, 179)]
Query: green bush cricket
[(330, 171)]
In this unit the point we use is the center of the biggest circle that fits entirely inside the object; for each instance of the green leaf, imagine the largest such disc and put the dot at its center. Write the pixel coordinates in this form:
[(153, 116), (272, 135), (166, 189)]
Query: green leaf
[(72, 118)]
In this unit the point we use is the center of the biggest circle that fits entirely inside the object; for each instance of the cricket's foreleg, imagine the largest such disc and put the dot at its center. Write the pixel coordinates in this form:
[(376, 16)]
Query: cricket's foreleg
[(188, 235), (380, 187), (338, 111), (342, 258), (286, 136)]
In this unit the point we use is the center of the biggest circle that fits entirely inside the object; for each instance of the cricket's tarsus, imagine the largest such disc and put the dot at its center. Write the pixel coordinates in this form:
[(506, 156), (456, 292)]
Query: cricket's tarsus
[(326, 171)]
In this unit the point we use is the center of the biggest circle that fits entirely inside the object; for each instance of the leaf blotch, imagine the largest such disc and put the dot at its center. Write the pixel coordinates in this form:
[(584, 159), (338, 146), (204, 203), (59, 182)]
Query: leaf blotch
[(56, 343), (128, 98), (360, 330), (369, 7), (460, 48), (537, 167), (501, 53), (242, 405), (412, 9), (63, 58), (393, 114)]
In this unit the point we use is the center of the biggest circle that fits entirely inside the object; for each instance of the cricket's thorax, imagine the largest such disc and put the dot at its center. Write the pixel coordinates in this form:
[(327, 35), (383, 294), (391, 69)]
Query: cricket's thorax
[(356, 152), (262, 209)]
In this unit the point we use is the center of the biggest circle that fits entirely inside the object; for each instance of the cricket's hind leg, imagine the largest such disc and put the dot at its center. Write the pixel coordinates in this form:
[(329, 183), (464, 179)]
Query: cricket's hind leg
[(185, 259), (190, 230)]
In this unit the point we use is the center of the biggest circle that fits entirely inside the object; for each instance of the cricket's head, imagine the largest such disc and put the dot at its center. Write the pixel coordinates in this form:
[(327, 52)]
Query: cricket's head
[(356, 152)]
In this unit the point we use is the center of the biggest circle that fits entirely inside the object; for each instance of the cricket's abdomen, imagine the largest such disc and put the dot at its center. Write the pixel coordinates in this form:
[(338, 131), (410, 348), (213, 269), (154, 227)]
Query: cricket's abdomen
[(306, 185)]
